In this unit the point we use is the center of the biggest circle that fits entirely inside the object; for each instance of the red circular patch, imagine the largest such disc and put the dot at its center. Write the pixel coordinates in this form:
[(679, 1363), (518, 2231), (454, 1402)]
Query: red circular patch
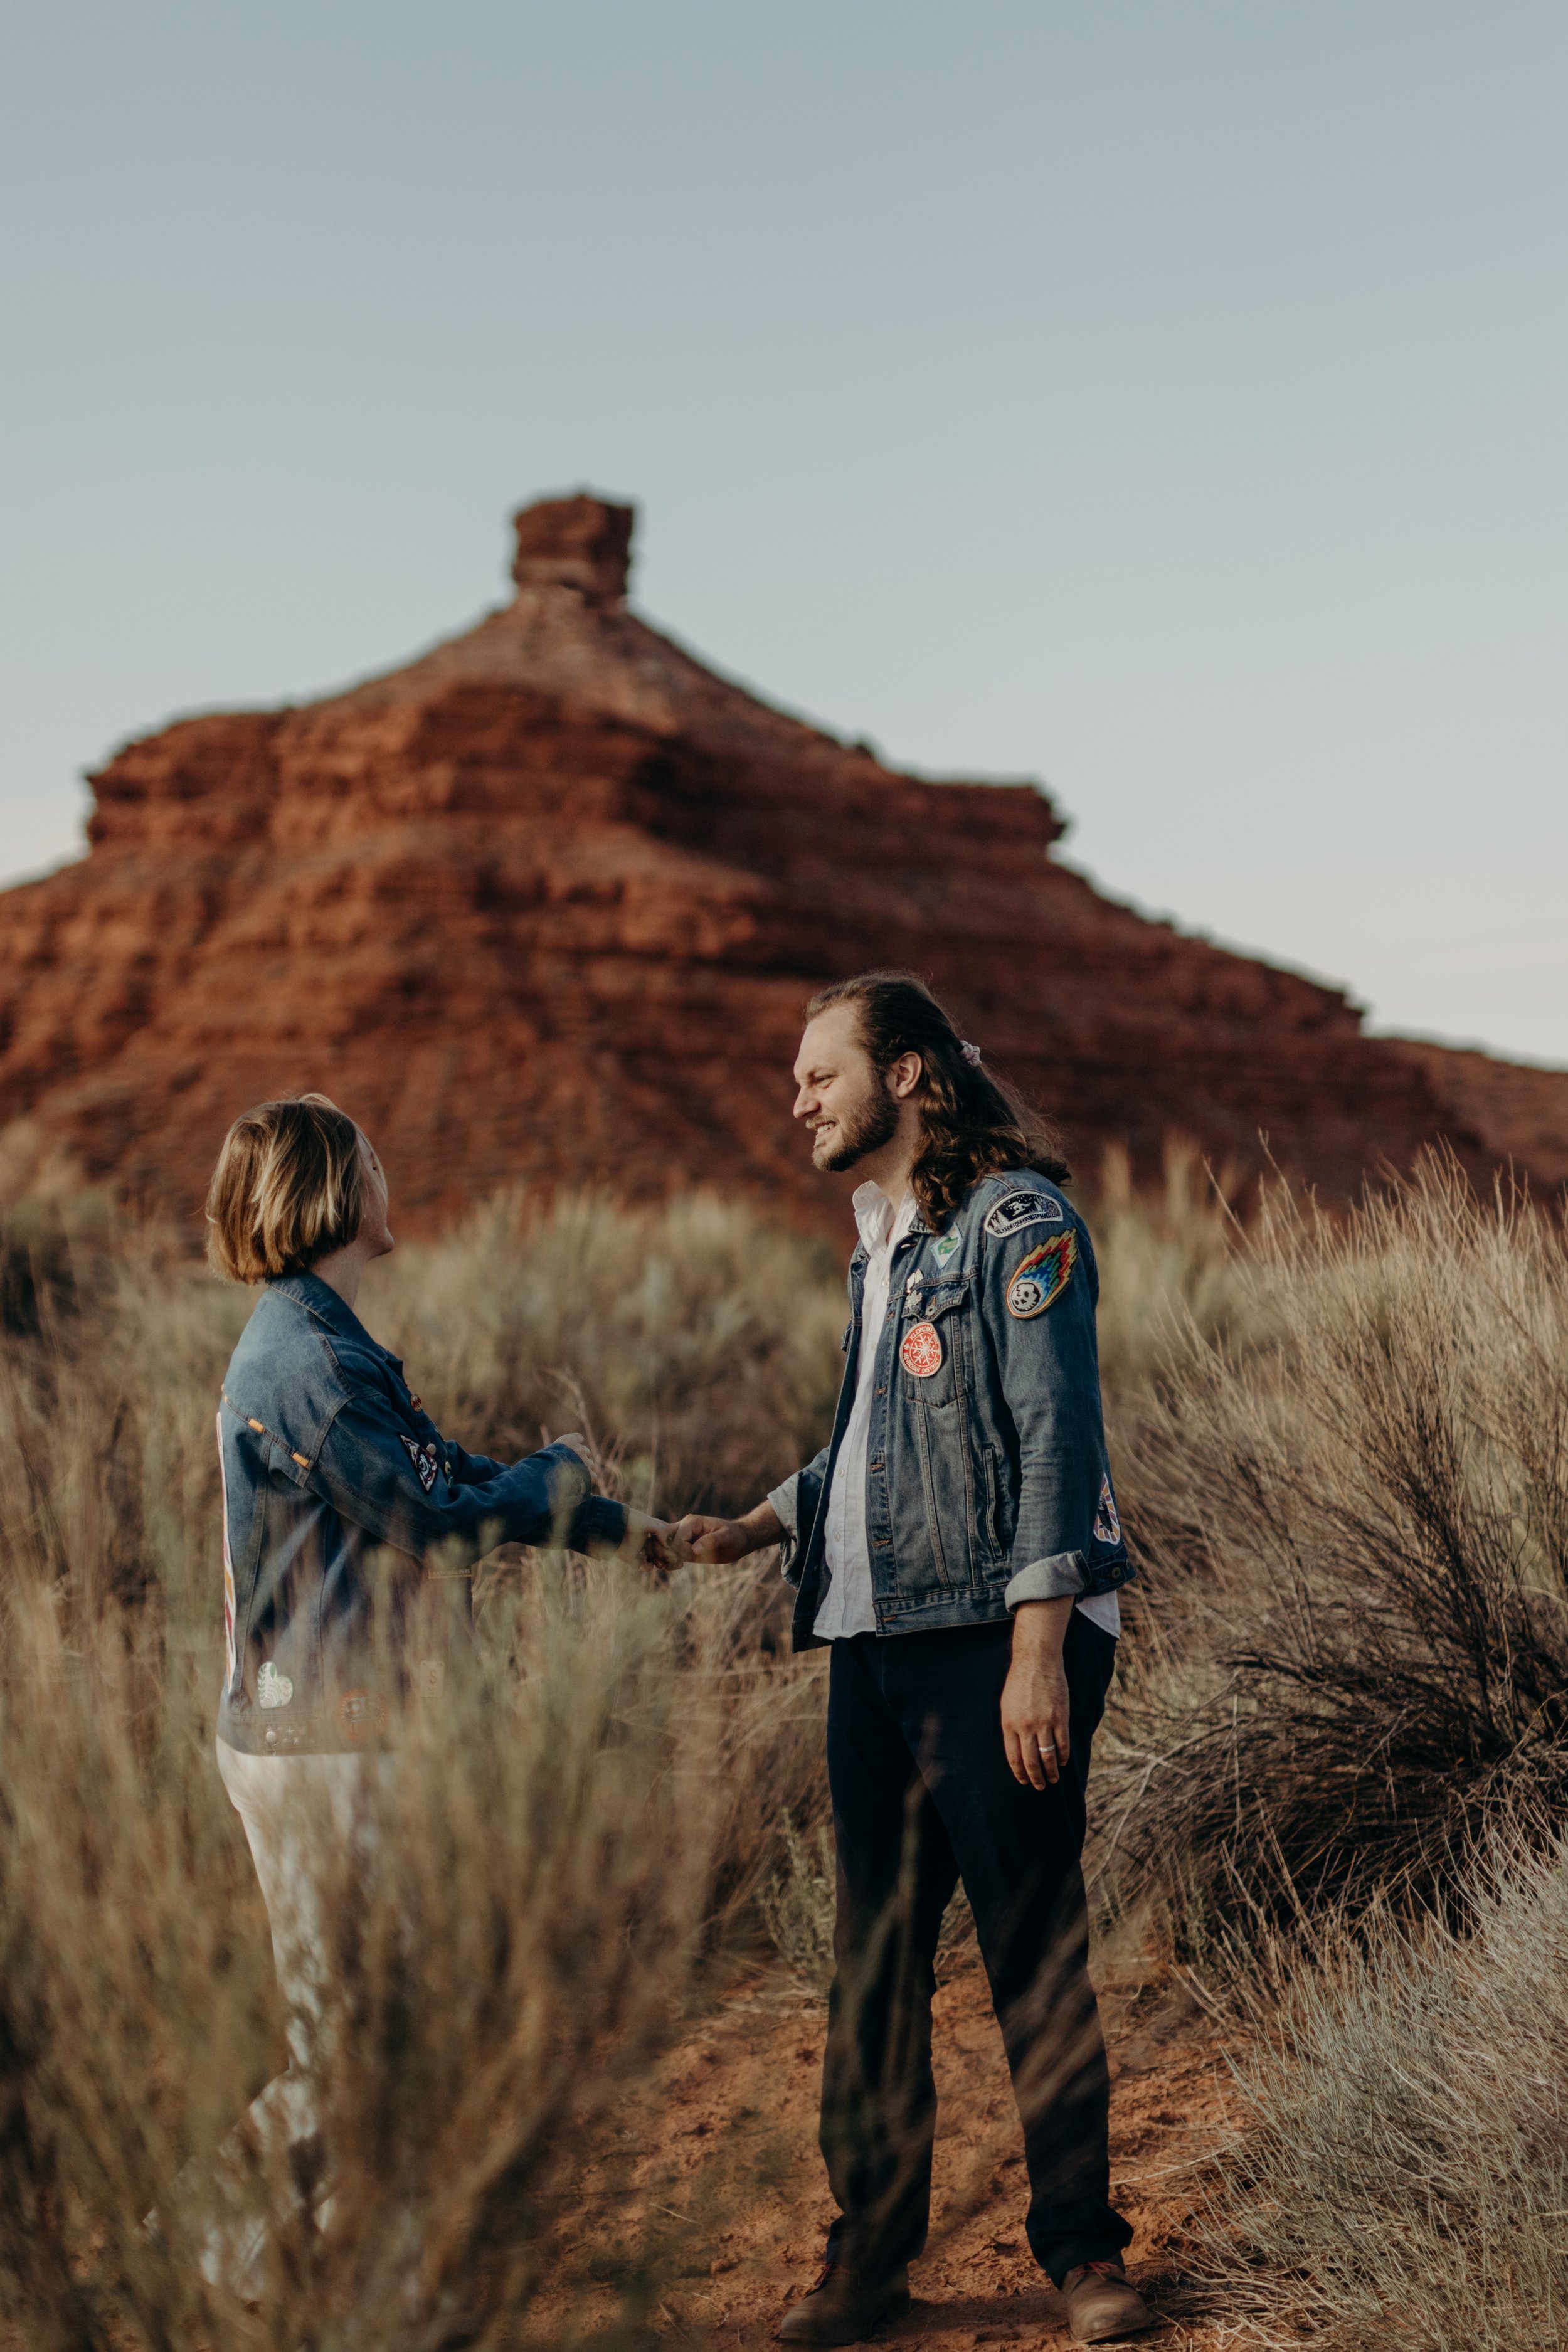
[(921, 1350)]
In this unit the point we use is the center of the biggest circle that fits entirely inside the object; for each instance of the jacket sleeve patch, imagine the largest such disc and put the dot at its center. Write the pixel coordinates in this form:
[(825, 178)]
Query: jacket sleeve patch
[(1106, 1525), (425, 1462), (1018, 1209), (1040, 1278)]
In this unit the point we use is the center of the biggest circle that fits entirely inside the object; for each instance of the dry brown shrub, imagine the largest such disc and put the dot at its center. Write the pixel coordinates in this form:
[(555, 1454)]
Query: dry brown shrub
[(1399, 2169), (1168, 1260), (1353, 1507), (699, 1343), (525, 1929), (578, 1841)]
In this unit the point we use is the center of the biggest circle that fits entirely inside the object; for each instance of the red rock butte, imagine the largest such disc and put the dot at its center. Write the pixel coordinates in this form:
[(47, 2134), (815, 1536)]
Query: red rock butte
[(543, 906)]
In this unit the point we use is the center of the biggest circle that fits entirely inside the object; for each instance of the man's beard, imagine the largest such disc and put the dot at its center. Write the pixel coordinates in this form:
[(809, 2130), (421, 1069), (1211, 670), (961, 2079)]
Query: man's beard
[(867, 1130)]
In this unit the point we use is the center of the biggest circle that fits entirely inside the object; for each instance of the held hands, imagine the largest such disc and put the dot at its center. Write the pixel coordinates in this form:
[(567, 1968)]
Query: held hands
[(713, 1540), (652, 1543), (722, 1540), (658, 1547), (1035, 1707)]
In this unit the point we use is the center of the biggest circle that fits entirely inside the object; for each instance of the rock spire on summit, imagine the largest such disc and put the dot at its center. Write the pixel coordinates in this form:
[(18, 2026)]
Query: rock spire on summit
[(580, 542)]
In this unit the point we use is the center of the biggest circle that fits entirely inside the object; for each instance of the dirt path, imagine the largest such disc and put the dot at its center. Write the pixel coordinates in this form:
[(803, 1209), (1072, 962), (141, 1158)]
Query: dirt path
[(741, 2107)]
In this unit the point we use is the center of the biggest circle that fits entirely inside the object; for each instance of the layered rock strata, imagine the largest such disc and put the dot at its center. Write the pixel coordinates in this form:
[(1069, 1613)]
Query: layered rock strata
[(543, 907)]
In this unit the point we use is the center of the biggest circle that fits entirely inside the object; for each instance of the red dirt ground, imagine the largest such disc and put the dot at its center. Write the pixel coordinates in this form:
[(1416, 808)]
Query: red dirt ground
[(743, 2091)]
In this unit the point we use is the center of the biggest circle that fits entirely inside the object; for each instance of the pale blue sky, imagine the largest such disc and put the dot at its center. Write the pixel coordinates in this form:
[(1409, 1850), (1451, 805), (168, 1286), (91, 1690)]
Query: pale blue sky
[(1165, 400)]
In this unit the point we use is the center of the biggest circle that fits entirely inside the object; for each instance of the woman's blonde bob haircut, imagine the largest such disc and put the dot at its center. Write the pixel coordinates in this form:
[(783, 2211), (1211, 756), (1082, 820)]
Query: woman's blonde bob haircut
[(288, 1189)]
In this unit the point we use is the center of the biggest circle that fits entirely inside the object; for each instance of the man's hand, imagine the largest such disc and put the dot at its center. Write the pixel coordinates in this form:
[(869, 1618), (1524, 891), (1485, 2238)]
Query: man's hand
[(729, 1540), (1035, 1696)]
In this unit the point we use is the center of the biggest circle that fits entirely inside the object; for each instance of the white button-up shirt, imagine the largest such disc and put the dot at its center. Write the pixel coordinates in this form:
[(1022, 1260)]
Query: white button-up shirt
[(847, 1607)]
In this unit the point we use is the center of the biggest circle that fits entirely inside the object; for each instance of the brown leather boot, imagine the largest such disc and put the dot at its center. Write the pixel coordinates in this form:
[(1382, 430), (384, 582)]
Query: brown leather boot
[(843, 2307), (1101, 2305)]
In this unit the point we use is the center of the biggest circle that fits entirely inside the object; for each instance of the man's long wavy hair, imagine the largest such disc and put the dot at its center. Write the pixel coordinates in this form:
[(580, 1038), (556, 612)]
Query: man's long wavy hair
[(975, 1123)]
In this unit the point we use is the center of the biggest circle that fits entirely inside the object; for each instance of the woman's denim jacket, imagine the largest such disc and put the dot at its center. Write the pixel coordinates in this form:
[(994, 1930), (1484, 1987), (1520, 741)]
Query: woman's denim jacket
[(987, 1482), (351, 1527)]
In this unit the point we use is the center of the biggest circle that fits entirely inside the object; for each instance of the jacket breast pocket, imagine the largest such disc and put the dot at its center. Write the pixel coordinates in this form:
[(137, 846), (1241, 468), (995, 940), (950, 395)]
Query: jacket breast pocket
[(933, 1344)]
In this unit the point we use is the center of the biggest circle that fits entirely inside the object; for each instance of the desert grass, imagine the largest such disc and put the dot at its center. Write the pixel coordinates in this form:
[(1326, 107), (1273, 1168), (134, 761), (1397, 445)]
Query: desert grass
[(1355, 1524), (697, 1345), (1171, 1263), (1342, 1452), (520, 1935), (566, 1867), (1398, 2173)]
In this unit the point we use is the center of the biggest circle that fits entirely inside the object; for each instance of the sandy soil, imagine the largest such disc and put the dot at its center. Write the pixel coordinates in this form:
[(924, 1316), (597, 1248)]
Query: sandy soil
[(739, 2114)]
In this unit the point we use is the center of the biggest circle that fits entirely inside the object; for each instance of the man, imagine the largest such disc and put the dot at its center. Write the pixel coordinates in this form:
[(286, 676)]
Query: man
[(957, 1543)]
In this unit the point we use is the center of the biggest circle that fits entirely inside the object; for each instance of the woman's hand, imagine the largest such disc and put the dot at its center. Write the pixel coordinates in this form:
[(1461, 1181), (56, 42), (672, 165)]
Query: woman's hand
[(1035, 1704), (653, 1544)]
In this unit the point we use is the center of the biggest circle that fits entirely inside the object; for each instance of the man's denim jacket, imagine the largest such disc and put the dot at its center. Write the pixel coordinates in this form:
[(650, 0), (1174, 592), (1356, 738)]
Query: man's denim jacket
[(987, 1482), (350, 1526)]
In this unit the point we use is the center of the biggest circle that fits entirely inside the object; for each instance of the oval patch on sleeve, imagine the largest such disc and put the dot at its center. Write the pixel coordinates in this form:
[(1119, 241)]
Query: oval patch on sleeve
[(1020, 1209), (922, 1351), (1039, 1279)]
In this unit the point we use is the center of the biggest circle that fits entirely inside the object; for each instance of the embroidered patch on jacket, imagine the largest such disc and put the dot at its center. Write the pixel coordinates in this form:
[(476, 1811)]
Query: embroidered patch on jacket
[(913, 1288), (922, 1351), (947, 1245), (1041, 1278), (1021, 1209), (1107, 1526), (425, 1463), (362, 1715), (272, 1689)]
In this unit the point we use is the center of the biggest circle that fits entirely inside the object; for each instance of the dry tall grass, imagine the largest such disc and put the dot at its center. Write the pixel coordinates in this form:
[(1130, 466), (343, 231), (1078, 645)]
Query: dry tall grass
[(1168, 1259), (571, 1847), (1343, 1455), (1357, 1523), (519, 1936), (697, 1344), (1400, 2171)]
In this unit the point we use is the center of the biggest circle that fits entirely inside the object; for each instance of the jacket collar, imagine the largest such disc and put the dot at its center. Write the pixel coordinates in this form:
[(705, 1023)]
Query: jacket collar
[(320, 1299)]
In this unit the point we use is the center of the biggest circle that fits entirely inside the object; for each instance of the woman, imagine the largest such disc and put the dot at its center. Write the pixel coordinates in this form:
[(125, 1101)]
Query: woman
[(351, 1524)]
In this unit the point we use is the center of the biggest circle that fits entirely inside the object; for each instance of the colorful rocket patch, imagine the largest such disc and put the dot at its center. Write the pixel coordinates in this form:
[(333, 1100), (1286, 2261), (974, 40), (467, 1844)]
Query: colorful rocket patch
[(1106, 1525), (1042, 1276)]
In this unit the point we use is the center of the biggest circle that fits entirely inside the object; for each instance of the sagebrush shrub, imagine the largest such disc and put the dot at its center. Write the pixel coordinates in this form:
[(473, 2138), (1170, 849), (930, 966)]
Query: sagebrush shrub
[(1352, 1509)]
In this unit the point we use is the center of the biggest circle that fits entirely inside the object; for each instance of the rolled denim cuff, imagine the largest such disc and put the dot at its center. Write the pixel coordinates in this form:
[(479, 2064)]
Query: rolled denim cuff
[(1049, 1579), (784, 1500), (599, 1521)]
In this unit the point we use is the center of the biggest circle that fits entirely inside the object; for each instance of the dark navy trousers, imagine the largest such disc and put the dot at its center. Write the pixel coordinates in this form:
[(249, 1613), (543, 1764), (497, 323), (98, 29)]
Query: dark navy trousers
[(922, 1798)]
